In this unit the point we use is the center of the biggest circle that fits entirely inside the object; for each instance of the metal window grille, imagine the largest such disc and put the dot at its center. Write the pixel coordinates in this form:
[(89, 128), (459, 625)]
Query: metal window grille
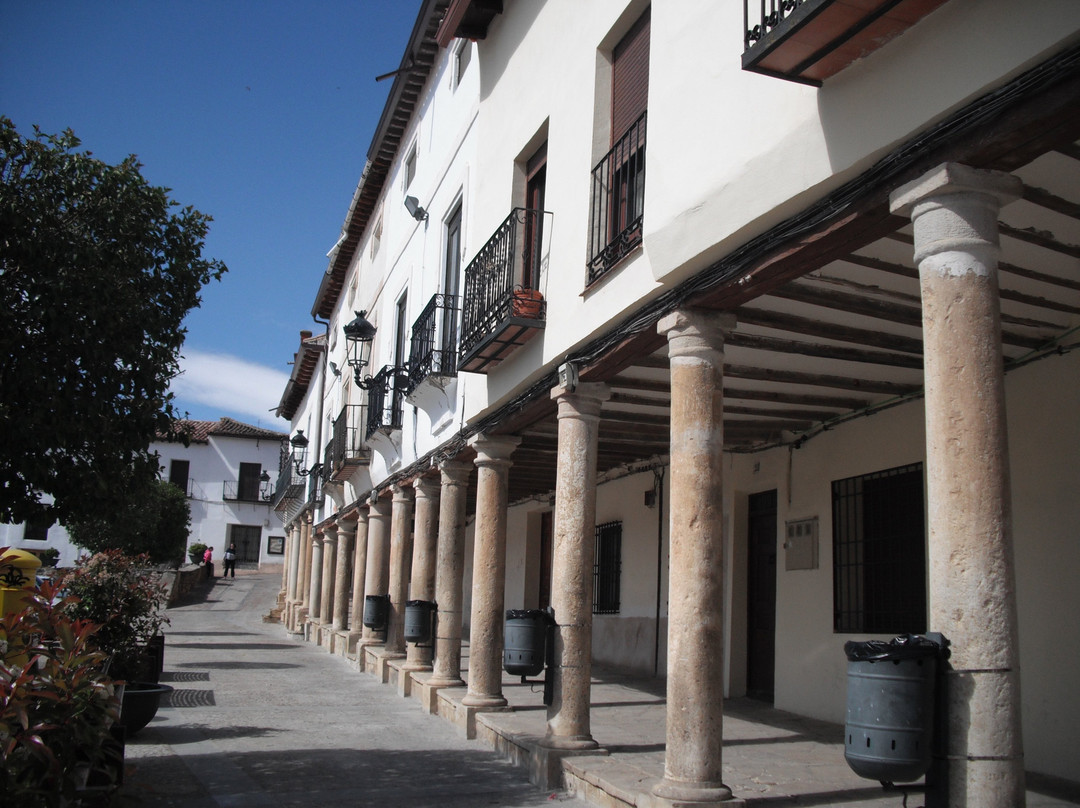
[(607, 568), (433, 347), (879, 552), (618, 201)]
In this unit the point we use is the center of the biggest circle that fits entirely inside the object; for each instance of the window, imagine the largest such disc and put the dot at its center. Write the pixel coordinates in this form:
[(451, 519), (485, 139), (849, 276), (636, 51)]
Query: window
[(37, 530), (607, 568), (247, 539), (879, 552), (376, 237), (178, 474), (462, 57), (410, 167), (618, 194), (248, 487), (535, 190)]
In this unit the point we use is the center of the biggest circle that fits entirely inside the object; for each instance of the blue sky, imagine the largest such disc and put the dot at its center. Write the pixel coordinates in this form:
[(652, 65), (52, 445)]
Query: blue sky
[(256, 112)]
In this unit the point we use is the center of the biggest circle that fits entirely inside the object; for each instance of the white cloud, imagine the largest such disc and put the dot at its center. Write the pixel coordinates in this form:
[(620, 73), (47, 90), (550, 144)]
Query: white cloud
[(228, 385)]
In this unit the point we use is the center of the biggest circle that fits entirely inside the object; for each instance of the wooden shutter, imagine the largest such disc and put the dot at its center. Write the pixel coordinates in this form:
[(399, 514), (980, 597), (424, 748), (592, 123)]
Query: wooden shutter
[(630, 77)]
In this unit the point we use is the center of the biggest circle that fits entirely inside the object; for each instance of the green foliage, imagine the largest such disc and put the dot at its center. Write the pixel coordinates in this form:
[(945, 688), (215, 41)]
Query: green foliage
[(156, 522), (97, 272), (118, 593), (56, 705), (195, 552), (48, 556)]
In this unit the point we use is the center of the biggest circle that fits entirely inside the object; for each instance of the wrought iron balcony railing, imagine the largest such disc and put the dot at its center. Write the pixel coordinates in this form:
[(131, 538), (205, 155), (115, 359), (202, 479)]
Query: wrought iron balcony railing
[(618, 201), (246, 490), (347, 450), (502, 307), (433, 349), (290, 485), (810, 40), (386, 400)]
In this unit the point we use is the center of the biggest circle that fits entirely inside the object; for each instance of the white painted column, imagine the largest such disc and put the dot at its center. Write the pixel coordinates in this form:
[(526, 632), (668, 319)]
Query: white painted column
[(695, 686), (450, 573), (954, 210), (568, 725), (489, 571)]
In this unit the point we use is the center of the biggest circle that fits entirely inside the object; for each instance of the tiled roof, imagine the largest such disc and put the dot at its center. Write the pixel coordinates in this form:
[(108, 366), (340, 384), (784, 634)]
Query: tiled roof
[(200, 431)]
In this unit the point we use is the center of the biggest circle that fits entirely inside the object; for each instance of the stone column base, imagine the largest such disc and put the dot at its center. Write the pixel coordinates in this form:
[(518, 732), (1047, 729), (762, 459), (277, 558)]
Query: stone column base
[(667, 794), (426, 688)]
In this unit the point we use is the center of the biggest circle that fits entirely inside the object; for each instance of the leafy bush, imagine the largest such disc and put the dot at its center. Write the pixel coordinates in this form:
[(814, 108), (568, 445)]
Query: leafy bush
[(121, 595), (56, 704), (48, 556)]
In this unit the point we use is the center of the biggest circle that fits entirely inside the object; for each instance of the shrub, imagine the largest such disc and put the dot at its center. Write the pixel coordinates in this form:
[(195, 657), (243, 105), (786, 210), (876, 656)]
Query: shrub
[(195, 552), (48, 556), (121, 595), (56, 704)]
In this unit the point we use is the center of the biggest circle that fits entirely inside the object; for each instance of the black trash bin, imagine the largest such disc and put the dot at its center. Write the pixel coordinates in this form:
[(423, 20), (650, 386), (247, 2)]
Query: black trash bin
[(376, 610), (525, 641), (890, 707), (418, 620)]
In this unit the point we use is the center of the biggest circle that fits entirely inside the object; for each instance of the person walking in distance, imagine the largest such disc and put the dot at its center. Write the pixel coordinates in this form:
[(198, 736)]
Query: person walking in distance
[(230, 562), (208, 560)]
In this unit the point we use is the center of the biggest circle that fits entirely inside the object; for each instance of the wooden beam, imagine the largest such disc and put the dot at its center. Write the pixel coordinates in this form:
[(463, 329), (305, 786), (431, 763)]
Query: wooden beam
[(817, 328), (789, 346), (819, 380)]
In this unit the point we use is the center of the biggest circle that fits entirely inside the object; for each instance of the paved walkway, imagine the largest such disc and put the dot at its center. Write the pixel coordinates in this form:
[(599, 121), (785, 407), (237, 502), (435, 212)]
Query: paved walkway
[(262, 718), (258, 718)]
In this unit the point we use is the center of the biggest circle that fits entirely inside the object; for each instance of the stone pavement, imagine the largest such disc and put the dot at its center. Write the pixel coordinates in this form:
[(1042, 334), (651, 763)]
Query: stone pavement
[(259, 718), (263, 718)]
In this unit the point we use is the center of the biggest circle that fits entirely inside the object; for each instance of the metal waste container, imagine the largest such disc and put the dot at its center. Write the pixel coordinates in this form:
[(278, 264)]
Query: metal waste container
[(525, 641), (376, 610), (418, 620), (890, 707)]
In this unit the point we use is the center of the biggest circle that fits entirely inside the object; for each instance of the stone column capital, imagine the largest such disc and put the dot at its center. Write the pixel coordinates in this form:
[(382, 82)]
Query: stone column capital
[(402, 493), (954, 209), (380, 507), (696, 334), (426, 488), (455, 472), (494, 451), (584, 401), (345, 524)]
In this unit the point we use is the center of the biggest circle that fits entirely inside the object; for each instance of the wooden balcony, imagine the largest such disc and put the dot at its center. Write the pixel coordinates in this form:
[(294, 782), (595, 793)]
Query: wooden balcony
[(810, 40)]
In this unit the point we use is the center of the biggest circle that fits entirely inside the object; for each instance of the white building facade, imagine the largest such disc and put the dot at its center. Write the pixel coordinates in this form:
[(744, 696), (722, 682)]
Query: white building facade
[(764, 341)]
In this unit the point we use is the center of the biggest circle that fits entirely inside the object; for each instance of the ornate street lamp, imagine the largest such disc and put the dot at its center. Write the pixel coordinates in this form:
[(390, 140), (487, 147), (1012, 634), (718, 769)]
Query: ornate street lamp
[(359, 335), (299, 453)]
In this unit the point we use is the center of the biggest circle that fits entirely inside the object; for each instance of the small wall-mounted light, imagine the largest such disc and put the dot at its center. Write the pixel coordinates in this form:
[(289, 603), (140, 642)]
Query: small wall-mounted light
[(412, 204), (568, 376), (334, 368)]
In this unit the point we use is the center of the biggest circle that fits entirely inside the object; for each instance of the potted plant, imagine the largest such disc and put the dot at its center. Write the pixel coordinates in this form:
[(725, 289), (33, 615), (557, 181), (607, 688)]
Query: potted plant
[(57, 706), (48, 555), (120, 594), (527, 303), (195, 552)]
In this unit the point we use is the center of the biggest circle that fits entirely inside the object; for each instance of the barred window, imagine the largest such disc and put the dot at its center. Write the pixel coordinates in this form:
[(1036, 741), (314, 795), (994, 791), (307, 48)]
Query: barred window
[(607, 568), (879, 552)]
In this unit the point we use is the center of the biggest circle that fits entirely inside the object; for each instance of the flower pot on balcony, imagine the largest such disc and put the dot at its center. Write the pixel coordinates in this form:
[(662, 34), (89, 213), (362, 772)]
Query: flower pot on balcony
[(527, 303)]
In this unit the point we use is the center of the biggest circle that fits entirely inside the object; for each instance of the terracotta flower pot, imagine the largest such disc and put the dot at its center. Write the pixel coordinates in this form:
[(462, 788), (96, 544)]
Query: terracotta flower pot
[(527, 303)]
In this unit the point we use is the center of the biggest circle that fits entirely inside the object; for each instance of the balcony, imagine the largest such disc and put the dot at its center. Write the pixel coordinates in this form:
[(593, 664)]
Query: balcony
[(347, 450), (244, 490), (290, 485), (502, 308), (386, 399), (810, 40), (618, 202), (433, 350)]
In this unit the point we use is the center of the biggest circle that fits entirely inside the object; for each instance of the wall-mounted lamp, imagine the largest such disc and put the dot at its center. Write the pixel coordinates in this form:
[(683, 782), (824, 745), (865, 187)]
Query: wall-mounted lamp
[(334, 368), (266, 491), (299, 445), (359, 335), (412, 204), (568, 376)]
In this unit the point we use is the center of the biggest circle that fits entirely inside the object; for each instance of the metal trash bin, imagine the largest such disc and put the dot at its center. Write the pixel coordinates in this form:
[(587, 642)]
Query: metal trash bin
[(525, 641), (890, 707), (376, 610), (418, 620)]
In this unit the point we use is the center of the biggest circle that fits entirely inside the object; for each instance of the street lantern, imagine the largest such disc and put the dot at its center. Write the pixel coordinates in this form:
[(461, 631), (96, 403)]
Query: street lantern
[(299, 452), (266, 491), (359, 335)]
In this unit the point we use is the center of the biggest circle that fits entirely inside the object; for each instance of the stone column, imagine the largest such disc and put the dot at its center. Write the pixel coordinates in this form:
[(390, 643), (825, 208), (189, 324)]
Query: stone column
[(329, 572), (489, 571), (450, 572), (283, 593), (568, 725), (342, 573), (356, 620), (400, 563), (315, 590), (695, 684), (304, 581), (377, 577), (425, 546), (954, 209)]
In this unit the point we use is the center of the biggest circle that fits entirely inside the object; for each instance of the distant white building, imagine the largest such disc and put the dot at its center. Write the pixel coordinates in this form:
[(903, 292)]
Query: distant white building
[(221, 471)]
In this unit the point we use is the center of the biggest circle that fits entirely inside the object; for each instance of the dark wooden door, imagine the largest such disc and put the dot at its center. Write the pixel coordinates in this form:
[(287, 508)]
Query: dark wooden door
[(761, 597)]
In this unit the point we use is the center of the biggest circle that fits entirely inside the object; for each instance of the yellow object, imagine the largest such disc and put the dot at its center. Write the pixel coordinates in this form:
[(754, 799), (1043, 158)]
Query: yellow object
[(18, 574)]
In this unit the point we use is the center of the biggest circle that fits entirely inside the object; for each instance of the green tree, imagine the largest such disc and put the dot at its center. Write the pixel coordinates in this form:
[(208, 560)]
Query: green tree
[(98, 269), (156, 523)]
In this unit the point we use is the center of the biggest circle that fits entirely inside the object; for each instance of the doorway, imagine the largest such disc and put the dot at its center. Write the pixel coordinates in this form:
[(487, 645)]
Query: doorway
[(761, 597)]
